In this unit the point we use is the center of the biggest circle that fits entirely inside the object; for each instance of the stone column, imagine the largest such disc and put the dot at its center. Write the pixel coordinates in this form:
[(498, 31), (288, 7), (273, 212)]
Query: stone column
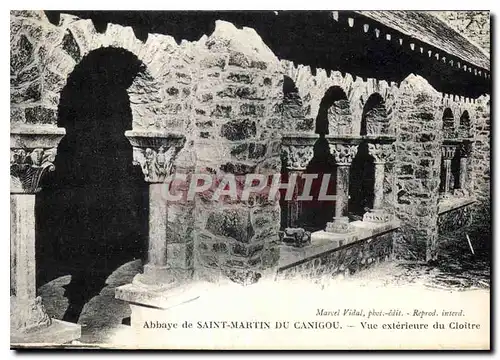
[(155, 154), (343, 154), (297, 157), (464, 155), (448, 151), (32, 154), (381, 154)]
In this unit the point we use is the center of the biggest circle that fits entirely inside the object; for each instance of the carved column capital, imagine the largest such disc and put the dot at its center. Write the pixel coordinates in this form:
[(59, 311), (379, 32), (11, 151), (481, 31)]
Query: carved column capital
[(448, 151), (343, 153), (32, 154), (381, 153), (297, 157), (155, 153)]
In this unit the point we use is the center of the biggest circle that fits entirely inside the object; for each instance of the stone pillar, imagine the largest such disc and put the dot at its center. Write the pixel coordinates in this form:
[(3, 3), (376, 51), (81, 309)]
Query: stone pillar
[(33, 153), (343, 154), (448, 152), (381, 154), (155, 154), (464, 155), (296, 157)]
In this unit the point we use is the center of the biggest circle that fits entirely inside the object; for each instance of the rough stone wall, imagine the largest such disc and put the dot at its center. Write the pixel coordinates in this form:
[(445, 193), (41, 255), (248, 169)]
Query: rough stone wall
[(312, 87), (225, 92), (29, 103), (377, 121), (480, 159), (345, 260), (43, 55), (339, 118), (292, 110), (474, 25), (222, 92), (455, 219), (239, 88), (418, 160)]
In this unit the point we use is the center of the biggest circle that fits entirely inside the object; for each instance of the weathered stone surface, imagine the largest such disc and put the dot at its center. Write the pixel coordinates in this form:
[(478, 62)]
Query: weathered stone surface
[(474, 25), (453, 220), (21, 54), (30, 92), (234, 223), (238, 130), (238, 168), (180, 256), (243, 277), (70, 45), (223, 111), (40, 115), (345, 260), (180, 223)]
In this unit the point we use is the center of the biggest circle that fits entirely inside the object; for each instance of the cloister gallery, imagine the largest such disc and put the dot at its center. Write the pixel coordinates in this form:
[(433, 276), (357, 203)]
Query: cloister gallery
[(395, 106)]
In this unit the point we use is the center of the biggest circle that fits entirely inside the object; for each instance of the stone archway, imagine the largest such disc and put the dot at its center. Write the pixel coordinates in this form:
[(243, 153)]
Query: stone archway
[(465, 125), (448, 124), (334, 114), (93, 211), (374, 120)]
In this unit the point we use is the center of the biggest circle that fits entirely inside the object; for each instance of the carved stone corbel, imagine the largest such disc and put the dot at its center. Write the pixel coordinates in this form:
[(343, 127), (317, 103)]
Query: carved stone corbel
[(381, 153), (343, 153), (32, 154), (448, 151), (297, 157), (155, 153)]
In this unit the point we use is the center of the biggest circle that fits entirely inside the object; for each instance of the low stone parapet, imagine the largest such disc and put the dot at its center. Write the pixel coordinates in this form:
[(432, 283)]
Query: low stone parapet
[(334, 253)]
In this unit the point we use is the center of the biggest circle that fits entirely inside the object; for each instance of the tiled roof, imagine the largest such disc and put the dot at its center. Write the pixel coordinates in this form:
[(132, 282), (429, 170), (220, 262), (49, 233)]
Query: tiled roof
[(424, 26)]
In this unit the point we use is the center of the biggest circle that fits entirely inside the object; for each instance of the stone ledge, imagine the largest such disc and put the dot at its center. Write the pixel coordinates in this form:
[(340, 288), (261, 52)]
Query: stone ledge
[(35, 136), (58, 333), (160, 298), (453, 203), (323, 242)]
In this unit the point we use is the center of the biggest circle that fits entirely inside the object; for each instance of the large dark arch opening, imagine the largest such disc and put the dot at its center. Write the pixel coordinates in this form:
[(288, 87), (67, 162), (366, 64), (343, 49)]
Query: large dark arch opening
[(374, 121), (92, 213), (361, 183), (334, 112)]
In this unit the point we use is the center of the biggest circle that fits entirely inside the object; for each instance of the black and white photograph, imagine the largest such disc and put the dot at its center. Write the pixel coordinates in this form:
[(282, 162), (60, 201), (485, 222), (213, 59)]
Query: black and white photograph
[(250, 180)]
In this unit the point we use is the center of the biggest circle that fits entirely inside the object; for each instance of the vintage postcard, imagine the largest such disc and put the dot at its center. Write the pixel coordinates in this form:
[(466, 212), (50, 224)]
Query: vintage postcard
[(250, 179)]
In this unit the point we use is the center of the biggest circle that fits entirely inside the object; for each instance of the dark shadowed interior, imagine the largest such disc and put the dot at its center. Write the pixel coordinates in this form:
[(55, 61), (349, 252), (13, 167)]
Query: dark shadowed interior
[(92, 213)]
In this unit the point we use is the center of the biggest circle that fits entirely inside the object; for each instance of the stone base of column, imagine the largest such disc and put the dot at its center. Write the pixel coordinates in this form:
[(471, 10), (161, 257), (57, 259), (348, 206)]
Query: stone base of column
[(30, 325), (460, 192), (339, 225), (58, 333), (444, 196), (377, 216), (155, 277), (150, 303)]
